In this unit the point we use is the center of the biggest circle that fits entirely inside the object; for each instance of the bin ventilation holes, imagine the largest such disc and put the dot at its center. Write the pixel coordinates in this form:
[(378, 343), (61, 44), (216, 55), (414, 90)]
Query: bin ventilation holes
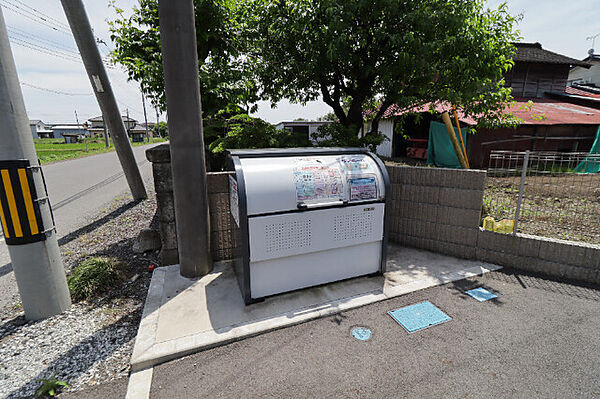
[(284, 236), (358, 224)]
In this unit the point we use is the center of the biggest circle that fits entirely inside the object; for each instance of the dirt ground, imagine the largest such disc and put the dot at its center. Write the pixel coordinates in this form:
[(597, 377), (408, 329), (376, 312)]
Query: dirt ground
[(565, 206)]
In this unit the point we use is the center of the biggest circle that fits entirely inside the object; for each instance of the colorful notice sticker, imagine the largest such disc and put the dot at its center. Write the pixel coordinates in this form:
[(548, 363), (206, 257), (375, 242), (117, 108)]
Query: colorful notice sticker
[(316, 179), (363, 188)]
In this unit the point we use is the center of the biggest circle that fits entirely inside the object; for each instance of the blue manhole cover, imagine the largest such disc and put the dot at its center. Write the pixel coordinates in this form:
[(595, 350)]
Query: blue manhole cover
[(361, 333), (419, 316), (481, 294)]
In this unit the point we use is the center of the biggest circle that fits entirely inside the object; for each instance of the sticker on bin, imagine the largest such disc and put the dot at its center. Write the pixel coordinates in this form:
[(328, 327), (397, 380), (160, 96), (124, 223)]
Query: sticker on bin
[(419, 316), (481, 294)]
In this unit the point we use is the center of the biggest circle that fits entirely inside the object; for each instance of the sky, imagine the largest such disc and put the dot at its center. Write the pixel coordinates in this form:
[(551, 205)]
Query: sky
[(560, 26)]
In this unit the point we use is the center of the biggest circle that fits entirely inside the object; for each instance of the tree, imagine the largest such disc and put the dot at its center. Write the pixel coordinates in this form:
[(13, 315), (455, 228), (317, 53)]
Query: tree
[(400, 53), (161, 129), (225, 82)]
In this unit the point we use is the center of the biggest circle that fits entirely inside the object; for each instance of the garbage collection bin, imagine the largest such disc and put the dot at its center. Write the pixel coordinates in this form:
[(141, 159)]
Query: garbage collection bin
[(306, 216)]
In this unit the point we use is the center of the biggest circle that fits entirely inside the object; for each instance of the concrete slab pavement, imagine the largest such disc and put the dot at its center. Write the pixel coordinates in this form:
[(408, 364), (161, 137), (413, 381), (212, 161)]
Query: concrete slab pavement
[(183, 316), (539, 339)]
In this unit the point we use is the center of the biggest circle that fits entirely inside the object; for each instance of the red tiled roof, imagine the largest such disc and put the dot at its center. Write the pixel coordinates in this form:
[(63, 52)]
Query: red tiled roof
[(555, 112)]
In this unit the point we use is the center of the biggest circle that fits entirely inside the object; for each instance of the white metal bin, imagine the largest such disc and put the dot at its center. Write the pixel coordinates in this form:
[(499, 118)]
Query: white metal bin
[(306, 216)]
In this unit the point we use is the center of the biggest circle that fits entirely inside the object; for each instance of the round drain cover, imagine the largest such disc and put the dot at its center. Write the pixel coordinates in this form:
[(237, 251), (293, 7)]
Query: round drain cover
[(361, 333)]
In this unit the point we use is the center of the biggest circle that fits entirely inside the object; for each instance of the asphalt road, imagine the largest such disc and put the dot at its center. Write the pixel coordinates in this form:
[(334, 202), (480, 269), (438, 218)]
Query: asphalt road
[(540, 339), (78, 190)]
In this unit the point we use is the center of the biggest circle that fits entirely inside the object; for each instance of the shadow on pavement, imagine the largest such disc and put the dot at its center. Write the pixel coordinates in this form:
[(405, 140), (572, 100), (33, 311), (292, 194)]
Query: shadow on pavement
[(97, 223), (4, 270), (546, 283)]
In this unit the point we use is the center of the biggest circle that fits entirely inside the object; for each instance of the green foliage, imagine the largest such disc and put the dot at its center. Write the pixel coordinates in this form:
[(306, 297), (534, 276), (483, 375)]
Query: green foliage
[(338, 135), (244, 131), (330, 116), (50, 387), (403, 52), (225, 81), (93, 276), (161, 129)]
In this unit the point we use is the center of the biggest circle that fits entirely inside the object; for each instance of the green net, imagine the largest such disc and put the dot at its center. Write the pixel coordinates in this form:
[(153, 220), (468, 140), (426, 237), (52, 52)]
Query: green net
[(440, 151), (591, 164)]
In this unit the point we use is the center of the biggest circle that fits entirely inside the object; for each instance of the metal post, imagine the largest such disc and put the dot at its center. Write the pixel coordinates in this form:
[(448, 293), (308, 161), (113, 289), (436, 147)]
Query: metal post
[(184, 118), (37, 265), (521, 189), (84, 37)]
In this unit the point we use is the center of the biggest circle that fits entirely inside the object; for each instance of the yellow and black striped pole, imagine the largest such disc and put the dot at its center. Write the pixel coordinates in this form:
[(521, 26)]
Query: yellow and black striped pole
[(19, 207)]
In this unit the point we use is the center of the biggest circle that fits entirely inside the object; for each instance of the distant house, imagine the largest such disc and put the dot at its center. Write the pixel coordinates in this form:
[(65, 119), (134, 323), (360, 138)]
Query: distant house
[(304, 129), (138, 133), (36, 125), (96, 125), (549, 124), (580, 75), (70, 132)]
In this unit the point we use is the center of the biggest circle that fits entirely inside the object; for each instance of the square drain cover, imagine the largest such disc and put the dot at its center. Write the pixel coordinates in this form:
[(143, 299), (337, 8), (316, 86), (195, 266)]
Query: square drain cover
[(419, 316), (481, 294)]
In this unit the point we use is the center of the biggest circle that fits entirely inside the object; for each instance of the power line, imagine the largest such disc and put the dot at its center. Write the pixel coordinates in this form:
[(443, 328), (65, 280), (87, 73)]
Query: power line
[(46, 16), (64, 93), (30, 36), (45, 50), (32, 17), (70, 56)]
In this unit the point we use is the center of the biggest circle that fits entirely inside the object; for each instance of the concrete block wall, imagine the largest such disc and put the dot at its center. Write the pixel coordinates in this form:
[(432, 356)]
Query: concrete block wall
[(558, 258), (218, 196), (440, 210), (436, 209)]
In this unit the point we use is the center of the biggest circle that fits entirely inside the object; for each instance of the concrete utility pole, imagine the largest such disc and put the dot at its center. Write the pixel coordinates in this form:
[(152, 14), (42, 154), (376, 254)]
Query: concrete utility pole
[(106, 142), (145, 117), (84, 37), (184, 118), (33, 251)]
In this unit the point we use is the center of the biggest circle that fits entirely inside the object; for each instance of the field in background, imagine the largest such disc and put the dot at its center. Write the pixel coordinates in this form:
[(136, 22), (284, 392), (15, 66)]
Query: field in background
[(557, 202), (52, 150)]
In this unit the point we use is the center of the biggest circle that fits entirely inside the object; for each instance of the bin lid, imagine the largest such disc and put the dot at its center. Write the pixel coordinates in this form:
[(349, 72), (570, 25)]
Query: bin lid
[(279, 181)]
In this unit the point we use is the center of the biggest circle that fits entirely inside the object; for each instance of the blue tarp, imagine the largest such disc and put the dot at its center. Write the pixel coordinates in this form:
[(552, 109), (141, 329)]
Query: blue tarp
[(591, 164), (440, 151)]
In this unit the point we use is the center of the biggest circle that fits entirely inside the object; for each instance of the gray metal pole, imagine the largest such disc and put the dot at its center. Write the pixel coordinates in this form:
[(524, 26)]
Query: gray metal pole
[(184, 118), (38, 267), (521, 189), (84, 37)]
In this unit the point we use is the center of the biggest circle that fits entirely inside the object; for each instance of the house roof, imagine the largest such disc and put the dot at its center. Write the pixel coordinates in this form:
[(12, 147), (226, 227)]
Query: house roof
[(99, 119), (583, 91), (35, 121), (533, 52), (554, 112), (139, 129), (67, 127)]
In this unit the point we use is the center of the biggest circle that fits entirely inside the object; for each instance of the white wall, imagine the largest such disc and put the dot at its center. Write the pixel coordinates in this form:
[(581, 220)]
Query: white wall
[(583, 75), (386, 126)]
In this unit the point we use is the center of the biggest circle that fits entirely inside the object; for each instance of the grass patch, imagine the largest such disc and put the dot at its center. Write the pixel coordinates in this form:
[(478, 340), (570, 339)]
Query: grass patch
[(93, 276), (52, 150)]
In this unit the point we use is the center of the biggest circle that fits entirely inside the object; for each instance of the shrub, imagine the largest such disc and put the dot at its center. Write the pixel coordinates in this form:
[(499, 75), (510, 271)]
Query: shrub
[(93, 276)]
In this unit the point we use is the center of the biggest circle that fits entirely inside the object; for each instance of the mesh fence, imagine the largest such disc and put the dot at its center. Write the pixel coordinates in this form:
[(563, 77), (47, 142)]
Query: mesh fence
[(557, 200)]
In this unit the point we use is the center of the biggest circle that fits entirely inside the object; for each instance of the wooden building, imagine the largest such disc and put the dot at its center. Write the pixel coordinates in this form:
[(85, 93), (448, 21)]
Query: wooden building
[(549, 124)]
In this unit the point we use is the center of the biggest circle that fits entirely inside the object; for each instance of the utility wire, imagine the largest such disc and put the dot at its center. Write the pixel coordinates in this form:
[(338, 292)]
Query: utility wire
[(30, 36), (45, 16), (17, 10), (64, 93)]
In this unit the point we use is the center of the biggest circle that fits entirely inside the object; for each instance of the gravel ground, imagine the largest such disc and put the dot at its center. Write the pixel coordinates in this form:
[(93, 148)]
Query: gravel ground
[(92, 342)]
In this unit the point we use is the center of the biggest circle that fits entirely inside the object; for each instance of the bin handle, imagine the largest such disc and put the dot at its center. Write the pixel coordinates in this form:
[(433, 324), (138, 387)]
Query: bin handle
[(303, 205)]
